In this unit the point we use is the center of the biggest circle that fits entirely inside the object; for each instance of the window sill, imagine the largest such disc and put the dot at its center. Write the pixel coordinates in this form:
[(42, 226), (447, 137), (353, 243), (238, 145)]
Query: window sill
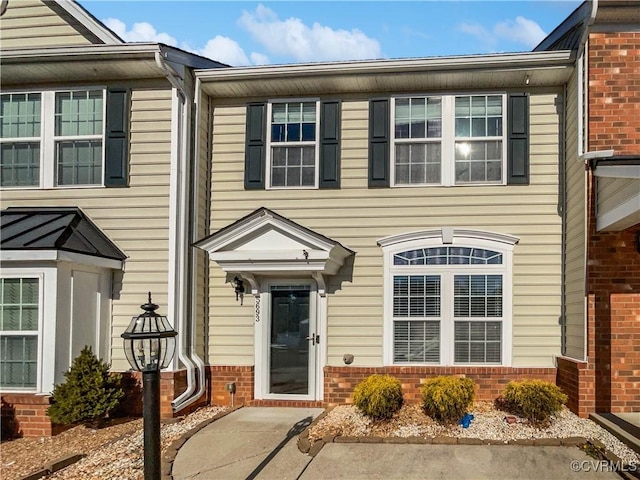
[(66, 187)]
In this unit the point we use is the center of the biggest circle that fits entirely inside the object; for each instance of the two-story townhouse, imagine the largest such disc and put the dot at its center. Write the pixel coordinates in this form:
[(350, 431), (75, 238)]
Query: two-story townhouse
[(95, 168), (600, 363), (414, 216), (392, 216)]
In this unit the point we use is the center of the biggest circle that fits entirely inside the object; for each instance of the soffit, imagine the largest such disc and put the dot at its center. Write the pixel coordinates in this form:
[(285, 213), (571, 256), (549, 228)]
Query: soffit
[(507, 71), (94, 63)]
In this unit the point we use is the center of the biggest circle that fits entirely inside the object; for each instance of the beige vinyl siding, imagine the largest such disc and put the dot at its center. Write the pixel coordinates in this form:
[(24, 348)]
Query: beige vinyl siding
[(357, 217), (613, 192), (575, 243), (202, 227), (32, 24), (135, 218)]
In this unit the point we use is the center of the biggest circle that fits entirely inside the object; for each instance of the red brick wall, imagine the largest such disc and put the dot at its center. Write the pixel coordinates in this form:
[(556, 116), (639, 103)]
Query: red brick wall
[(25, 415), (172, 384), (219, 376), (614, 103), (577, 381), (340, 381), (613, 315)]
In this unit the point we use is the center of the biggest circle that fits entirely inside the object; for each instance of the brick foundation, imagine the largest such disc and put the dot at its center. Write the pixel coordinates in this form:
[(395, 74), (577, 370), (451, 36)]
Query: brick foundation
[(172, 384), (25, 415), (220, 375), (577, 380), (340, 381)]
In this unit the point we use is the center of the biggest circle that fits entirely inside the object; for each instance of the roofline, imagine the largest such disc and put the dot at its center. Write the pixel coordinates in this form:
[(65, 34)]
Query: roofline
[(542, 59), (615, 160), (266, 212), (94, 25), (578, 15), (84, 52)]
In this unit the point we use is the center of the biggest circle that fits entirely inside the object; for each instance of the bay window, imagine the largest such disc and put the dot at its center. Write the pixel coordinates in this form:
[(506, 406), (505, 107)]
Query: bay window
[(19, 322)]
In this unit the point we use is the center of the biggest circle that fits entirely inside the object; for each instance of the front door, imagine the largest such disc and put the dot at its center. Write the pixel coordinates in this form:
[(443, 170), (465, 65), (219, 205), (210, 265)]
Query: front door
[(291, 342)]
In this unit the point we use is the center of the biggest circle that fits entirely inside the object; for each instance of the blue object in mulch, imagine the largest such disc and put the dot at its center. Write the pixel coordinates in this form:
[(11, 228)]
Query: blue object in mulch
[(466, 420)]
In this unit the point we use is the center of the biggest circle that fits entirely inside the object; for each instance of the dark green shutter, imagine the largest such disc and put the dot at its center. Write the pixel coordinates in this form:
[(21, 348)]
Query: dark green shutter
[(518, 139), (255, 148), (379, 143), (330, 144), (116, 161)]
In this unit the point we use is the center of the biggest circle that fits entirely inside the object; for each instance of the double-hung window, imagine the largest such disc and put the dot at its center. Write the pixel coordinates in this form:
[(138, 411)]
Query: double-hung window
[(448, 304), (52, 138), (293, 152), (19, 317), (448, 140)]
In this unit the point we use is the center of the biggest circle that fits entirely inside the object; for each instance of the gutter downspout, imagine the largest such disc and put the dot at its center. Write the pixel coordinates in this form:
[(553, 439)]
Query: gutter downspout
[(188, 397), (186, 331)]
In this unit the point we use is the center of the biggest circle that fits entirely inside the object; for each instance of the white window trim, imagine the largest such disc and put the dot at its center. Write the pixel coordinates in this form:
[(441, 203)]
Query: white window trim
[(47, 139), (448, 236), (269, 144), (46, 330), (447, 141)]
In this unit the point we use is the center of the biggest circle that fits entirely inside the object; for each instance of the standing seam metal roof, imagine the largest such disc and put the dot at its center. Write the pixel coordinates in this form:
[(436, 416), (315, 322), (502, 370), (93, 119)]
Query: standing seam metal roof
[(55, 228)]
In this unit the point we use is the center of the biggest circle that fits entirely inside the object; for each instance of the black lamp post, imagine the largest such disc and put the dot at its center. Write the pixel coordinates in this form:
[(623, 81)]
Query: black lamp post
[(149, 344)]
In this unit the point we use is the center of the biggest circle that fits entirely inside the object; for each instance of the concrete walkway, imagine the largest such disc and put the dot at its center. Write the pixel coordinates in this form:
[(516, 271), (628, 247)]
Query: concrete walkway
[(252, 442), (261, 443)]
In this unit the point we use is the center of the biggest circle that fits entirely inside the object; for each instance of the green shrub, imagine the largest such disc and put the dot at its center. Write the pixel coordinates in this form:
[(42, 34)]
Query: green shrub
[(447, 399), (378, 396), (88, 393), (537, 400)]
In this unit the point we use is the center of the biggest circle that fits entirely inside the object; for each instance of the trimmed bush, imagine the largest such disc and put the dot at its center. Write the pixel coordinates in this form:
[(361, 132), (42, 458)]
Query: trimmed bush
[(378, 396), (88, 393), (447, 399), (537, 400)]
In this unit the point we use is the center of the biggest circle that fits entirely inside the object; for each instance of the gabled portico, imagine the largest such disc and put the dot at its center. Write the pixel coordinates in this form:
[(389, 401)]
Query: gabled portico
[(286, 267)]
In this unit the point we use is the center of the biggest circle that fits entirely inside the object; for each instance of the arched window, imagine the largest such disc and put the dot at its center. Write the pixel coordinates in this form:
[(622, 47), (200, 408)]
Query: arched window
[(448, 298)]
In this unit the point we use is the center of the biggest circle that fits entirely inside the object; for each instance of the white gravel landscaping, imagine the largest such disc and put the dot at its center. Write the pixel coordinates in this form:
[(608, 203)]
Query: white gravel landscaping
[(488, 424)]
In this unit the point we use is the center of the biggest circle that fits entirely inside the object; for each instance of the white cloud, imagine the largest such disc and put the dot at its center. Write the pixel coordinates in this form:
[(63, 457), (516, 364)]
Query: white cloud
[(292, 38), (521, 30), (140, 32), (259, 59), (225, 50)]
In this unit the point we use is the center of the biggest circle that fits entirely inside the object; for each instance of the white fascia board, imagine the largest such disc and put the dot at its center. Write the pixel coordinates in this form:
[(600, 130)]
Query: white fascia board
[(245, 230), (29, 55), (59, 256), (28, 256), (94, 26), (275, 266), (528, 60), (272, 256)]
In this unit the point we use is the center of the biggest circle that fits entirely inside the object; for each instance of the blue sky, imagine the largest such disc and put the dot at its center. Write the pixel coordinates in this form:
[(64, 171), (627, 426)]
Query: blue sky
[(253, 33)]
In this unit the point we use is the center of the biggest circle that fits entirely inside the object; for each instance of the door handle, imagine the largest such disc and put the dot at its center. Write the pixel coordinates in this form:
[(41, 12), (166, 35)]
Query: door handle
[(315, 339)]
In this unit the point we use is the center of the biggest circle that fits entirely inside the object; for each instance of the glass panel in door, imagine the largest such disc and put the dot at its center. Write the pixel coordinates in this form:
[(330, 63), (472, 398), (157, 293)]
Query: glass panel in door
[(289, 346)]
